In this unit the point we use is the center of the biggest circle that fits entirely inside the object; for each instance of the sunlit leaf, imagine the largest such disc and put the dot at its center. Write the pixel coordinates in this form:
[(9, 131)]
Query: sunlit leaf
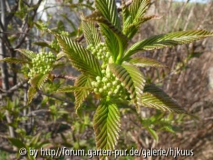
[(167, 40), (145, 62), (156, 98), (132, 79), (79, 57), (81, 95), (106, 124)]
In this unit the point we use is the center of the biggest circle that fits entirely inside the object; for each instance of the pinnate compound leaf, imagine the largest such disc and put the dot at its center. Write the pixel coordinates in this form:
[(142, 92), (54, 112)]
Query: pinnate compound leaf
[(106, 124), (81, 95), (15, 60), (29, 54), (132, 79), (91, 33), (79, 57), (167, 40), (145, 62), (109, 11), (156, 98)]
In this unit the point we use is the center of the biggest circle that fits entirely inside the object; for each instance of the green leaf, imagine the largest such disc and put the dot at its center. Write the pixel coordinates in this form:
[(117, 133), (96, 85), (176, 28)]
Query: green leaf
[(90, 32), (79, 57), (145, 62), (68, 89), (132, 29), (138, 8), (81, 95), (42, 80), (106, 124), (29, 54), (109, 11), (156, 98), (39, 80), (167, 40), (15, 60), (132, 79), (115, 40), (153, 133), (134, 17), (31, 94), (17, 142)]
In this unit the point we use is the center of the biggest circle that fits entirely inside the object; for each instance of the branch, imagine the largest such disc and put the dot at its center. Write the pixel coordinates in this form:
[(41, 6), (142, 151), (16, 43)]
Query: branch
[(64, 77)]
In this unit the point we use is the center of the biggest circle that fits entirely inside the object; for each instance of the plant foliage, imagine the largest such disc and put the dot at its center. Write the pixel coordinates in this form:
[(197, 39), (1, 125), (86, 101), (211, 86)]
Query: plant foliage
[(108, 72)]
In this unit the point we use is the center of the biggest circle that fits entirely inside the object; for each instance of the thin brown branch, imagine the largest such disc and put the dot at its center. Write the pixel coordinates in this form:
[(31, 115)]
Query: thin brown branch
[(68, 77)]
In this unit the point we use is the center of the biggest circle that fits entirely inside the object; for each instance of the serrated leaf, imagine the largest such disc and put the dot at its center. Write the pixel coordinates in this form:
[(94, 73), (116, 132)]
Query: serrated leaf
[(68, 89), (135, 13), (31, 94), (29, 54), (115, 40), (39, 80), (132, 79), (81, 95), (156, 98), (109, 11), (131, 29), (42, 80), (90, 32), (106, 124), (15, 60), (79, 57), (167, 40), (145, 62), (138, 8)]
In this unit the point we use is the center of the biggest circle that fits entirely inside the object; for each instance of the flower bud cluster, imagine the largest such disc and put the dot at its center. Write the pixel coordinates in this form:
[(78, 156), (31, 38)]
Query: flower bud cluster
[(108, 84), (42, 64), (100, 51)]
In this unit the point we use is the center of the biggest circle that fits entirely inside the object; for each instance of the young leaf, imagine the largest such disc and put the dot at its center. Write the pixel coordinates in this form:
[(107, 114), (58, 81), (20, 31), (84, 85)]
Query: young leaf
[(80, 58), (90, 32), (106, 124), (109, 11), (132, 29), (31, 94), (132, 79), (81, 95), (156, 98), (135, 17), (145, 62), (15, 60), (114, 38), (38, 81), (29, 54), (167, 40)]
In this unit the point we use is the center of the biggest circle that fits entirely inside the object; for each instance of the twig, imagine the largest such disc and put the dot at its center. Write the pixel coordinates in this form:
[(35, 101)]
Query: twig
[(64, 77)]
